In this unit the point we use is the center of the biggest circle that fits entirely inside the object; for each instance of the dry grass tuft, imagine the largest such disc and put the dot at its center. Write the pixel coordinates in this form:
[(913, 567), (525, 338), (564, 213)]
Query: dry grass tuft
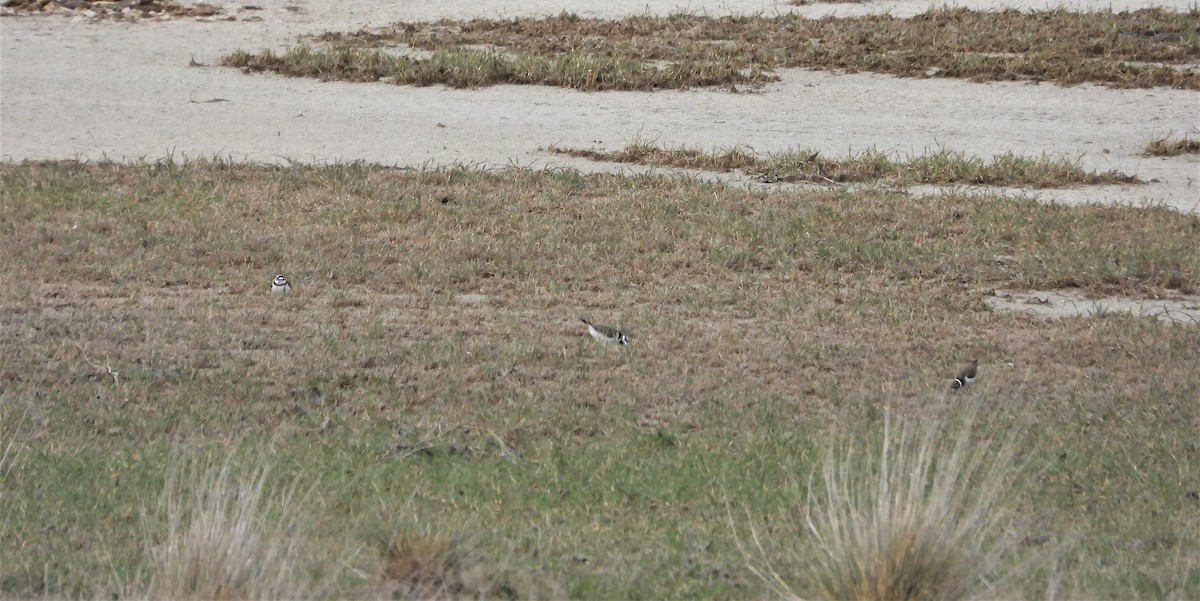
[(11, 447), (1167, 146), (940, 167), (10, 433), (420, 564), (227, 536), (919, 519), (1145, 48)]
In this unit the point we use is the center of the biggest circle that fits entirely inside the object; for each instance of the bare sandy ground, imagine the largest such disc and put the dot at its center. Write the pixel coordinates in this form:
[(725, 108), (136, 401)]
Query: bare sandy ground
[(73, 88), (1065, 303)]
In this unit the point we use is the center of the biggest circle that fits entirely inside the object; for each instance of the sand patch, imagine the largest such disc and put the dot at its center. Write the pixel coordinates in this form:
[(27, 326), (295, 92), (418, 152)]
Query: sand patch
[(1066, 303)]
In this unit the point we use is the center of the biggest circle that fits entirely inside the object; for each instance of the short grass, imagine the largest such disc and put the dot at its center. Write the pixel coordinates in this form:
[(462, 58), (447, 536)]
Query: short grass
[(1145, 48), (484, 445), (939, 167), (1169, 146)]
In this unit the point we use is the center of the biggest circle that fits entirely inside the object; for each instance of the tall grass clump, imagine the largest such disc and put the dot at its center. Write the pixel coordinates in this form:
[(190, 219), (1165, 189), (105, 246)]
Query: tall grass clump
[(919, 519), (223, 534), (10, 449), (921, 516)]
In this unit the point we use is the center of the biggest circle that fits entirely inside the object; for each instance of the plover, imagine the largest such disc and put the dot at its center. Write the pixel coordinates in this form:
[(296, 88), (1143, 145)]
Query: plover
[(280, 285), (965, 376), (605, 333)]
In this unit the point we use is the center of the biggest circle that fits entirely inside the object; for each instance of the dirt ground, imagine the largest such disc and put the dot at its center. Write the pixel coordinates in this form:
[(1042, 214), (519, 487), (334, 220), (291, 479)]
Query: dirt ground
[(71, 87)]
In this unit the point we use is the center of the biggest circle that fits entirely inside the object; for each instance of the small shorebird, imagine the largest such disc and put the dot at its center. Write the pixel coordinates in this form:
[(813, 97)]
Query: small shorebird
[(605, 333), (965, 376), (280, 285)]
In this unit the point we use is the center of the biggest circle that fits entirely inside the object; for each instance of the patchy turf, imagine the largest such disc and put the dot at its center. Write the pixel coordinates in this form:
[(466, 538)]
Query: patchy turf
[(940, 167), (1144, 48), (449, 427)]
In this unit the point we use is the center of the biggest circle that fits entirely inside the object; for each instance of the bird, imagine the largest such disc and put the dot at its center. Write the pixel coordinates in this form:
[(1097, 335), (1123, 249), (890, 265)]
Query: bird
[(965, 376), (605, 333), (280, 285)]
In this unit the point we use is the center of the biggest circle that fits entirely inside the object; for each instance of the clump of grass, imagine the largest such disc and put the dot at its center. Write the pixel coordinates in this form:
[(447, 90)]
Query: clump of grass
[(10, 446), (677, 51), (940, 167), (471, 68), (10, 429), (1008, 169), (921, 517), (227, 536), (1167, 146), (420, 564)]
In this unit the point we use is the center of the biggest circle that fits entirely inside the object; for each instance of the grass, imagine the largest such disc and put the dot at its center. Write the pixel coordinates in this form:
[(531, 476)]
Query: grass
[(419, 564), (223, 535), (524, 459), (920, 516), (1168, 146), (472, 68), (923, 519), (683, 51), (940, 167)]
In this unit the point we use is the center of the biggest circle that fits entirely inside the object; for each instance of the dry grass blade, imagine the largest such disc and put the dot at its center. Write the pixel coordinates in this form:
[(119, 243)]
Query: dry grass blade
[(920, 519)]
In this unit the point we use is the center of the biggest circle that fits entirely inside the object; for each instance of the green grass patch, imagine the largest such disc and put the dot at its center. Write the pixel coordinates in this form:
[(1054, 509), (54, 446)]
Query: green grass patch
[(486, 446), (1145, 48), (941, 167)]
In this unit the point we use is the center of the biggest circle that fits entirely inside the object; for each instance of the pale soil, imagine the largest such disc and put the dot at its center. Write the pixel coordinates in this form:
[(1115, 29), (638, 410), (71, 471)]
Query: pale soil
[(71, 88), (1064, 303)]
